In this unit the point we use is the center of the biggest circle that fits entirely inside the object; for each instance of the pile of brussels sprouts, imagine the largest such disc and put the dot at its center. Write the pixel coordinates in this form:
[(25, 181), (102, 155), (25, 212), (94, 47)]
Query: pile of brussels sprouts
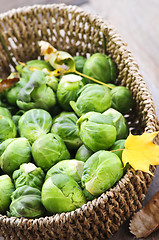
[(56, 137)]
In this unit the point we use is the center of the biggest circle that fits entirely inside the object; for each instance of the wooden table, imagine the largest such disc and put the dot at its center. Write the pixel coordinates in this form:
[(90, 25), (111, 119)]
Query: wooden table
[(138, 23)]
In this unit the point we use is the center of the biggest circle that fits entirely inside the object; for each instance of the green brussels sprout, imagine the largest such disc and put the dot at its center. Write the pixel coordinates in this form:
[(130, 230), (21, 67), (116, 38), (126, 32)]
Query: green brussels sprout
[(68, 90), (119, 144), (52, 82), (13, 92), (65, 126), (101, 171), (39, 64), (96, 131), (119, 122), (43, 97), (5, 112), (36, 94), (26, 202), (61, 193), (28, 174), (33, 65), (4, 145), (48, 150), (7, 128), (73, 168), (6, 189), (122, 99), (34, 123), (14, 152), (79, 63), (83, 153), (111, 85), (93, 97), (100, 67), (36, 79), (24, 72)]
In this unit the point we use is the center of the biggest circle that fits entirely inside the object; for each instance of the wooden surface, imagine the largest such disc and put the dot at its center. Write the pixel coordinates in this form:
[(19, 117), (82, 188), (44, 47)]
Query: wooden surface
[(6, 5), (138, 23)]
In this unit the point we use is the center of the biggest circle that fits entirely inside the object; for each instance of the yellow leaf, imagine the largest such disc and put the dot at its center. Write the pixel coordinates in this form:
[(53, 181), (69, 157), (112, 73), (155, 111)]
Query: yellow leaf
[(58, 59), (140, 151)]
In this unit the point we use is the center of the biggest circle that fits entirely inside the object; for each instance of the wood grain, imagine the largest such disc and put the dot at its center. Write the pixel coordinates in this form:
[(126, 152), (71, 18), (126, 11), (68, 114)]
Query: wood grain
[(10, 4)]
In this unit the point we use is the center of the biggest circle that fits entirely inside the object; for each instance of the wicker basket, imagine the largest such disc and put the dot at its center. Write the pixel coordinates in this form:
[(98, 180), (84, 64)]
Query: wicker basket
[(71, 29)]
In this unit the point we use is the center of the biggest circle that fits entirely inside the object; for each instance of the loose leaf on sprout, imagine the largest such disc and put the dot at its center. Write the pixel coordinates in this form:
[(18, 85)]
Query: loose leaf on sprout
[(141, 152), (9, 82), (58, 59)]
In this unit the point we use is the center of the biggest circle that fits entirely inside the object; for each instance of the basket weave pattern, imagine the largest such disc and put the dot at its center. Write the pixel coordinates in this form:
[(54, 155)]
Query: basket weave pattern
[(70, 28)]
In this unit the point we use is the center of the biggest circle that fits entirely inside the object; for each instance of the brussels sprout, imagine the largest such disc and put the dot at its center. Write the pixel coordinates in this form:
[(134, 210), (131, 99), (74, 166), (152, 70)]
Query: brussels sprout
[(122, 99), (5, 112), (68, 89), (4, 145), (12, 93), (101, 171), (96, 131), (65, 126), (83, 153), (119, 144), (93, 97), (14, 152), (79, 63), (111, 85), (39, 64), (52, 82), (6, 189), (36, 94), (28, 174), (119, 122), (26, 202), (42, 97), (34, 123), (61, 193), (36, 79), (100, 67), (73, 168), (33, 65), (7, 128), (24, 72), (48, 150)]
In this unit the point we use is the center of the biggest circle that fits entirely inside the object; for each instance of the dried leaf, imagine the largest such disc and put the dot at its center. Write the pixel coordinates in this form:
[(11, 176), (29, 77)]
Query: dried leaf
[(58, 59), (9, 82), (146, 221), (140, 151)]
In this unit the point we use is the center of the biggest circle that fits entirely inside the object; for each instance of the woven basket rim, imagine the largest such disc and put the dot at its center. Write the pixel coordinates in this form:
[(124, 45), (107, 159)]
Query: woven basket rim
[(134, 71)]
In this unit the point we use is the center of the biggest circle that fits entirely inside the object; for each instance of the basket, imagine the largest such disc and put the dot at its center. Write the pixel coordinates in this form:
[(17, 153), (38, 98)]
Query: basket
[(78, 32)]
